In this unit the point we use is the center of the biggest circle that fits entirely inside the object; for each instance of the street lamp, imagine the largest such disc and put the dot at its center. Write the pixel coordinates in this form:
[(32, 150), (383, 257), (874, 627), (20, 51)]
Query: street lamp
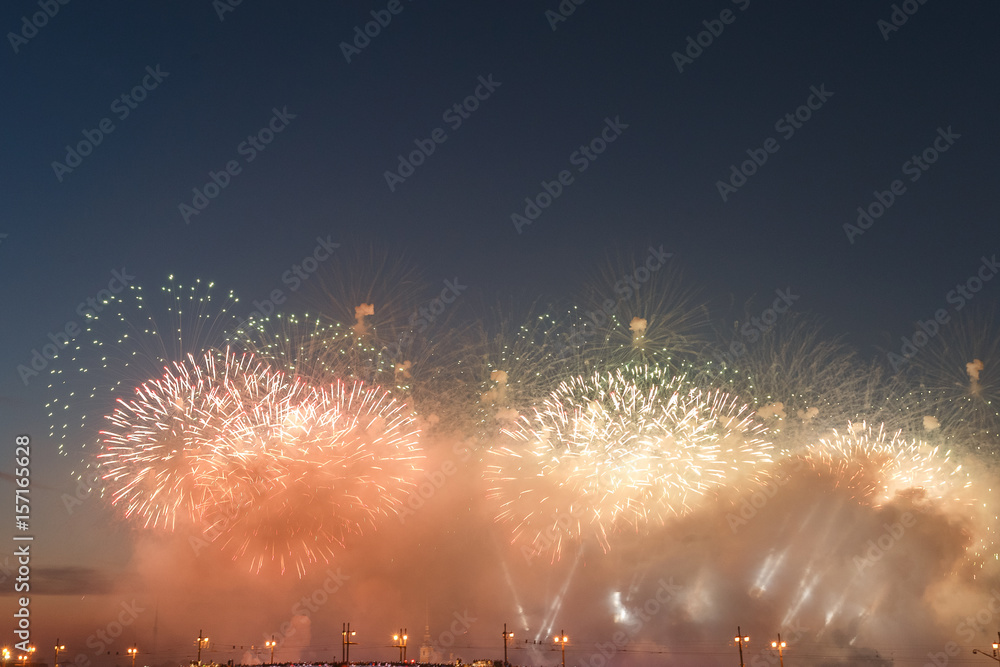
[(345, 647), (6, 656), (270, 644), (562, 639), (740, 641), (996, 650), (400, 640), (202, 641), (506, 637), (132, 651), (779, 645), (59, 647)]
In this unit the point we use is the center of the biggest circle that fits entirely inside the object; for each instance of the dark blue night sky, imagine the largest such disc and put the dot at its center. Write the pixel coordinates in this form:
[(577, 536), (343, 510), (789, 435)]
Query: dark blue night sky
[(324, 173)]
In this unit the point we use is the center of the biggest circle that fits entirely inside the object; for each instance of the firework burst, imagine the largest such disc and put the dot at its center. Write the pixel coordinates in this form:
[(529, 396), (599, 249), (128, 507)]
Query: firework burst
[(166, 456), (877, 465), (127, 340), (322, 468), (800, 381), (518, 367), (277, 471), (373, 292), (955, 381), (620, 451), (638, 310), (315, 349)]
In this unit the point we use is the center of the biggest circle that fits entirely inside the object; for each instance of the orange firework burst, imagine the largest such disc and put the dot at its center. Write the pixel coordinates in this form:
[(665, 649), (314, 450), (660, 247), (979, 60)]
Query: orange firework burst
[(322, 468), (166, 454), (277, 471)]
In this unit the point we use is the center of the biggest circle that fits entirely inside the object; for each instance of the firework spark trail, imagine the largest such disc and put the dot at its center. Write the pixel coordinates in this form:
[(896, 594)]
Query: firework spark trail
[(954, 381), (622, 450), (276, 470), (123, 344), (327, 466), (163, 458), (876, 464)]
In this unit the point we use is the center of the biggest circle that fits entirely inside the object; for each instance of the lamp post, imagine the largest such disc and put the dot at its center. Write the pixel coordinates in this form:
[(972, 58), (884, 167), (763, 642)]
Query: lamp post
[(345, 647), (400, 640), (506, 636), (271, 644), (202, 641), (25, 658), (740, 641), (6, 656), (779, 645), (562, 639), (59, 647), (996, 650), (132, 651)]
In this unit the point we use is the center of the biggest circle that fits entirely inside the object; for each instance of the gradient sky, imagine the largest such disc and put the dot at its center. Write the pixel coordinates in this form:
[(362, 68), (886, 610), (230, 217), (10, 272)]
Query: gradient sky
[(890, 95)]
